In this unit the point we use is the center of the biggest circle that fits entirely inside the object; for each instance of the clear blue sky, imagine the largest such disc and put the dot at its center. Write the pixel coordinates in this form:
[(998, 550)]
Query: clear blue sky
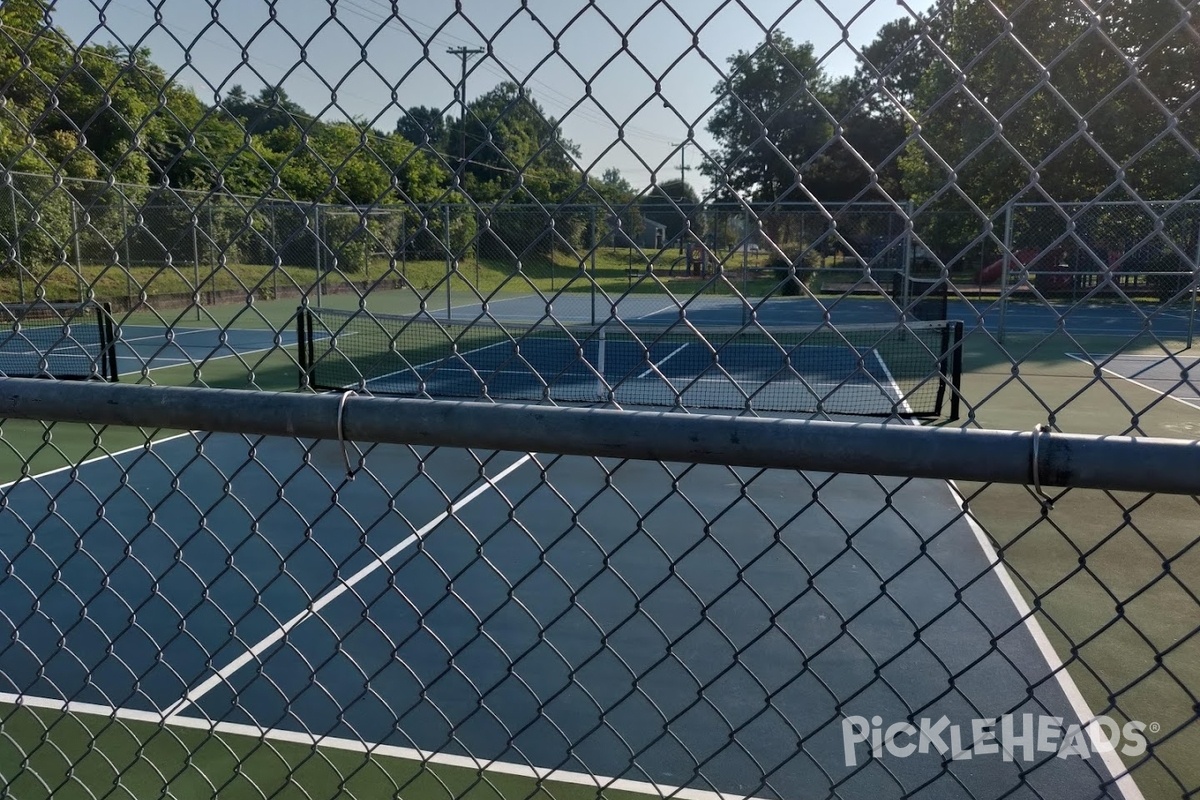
[(339, 58)]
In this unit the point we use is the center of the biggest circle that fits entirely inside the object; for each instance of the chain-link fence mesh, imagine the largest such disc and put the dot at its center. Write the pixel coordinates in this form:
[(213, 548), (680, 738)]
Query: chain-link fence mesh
[(389, 409)]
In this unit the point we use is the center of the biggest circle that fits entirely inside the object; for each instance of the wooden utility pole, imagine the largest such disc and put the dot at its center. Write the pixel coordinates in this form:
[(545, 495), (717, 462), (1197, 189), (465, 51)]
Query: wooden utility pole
[(464, 53)]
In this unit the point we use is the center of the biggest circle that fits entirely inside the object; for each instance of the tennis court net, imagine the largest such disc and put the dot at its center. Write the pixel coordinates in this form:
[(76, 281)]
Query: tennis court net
[(61, 341), (868, 370)]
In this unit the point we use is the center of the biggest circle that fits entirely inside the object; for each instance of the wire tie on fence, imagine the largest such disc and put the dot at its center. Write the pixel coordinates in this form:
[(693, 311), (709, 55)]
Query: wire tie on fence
[(341, 430), (1047, 501)]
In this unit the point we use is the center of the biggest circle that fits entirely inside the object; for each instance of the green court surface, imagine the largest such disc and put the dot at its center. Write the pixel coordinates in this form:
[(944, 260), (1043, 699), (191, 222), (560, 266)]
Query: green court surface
[(79, 751)]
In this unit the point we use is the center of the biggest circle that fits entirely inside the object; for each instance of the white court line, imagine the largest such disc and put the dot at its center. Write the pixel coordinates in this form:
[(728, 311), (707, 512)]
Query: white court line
[(94, 459), (1099, 740), (174, 335), (1107, 356), (1066, 684), (355, 746), (654, 367), (441, 360), (657, 311), (1138, 384), (320, 603)]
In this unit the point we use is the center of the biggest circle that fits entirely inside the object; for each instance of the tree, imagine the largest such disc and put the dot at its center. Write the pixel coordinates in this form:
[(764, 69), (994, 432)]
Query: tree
[(872, 107), (1088, 88), (32, 57), (769, 121), (425, 127), (510, 137), (612, 179), (269, 111), (345, 162)]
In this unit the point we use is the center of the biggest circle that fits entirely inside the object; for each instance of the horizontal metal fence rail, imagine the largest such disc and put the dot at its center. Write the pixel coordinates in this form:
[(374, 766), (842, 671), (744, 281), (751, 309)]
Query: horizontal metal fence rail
[(1040, 458)]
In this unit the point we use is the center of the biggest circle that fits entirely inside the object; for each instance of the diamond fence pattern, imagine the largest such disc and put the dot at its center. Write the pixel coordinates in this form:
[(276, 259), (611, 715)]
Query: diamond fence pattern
[(422, 452)]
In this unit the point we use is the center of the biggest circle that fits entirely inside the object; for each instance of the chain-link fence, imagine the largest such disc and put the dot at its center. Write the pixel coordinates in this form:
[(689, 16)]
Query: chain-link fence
[(370, 430)]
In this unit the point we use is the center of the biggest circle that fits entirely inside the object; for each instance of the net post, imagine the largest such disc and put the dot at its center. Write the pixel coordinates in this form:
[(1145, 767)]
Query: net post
[(601, 346), (956, 370), (108, 342), (303, 348)]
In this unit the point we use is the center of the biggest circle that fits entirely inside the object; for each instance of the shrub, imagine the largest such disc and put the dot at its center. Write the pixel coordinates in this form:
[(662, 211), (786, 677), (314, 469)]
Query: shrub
[(789, 285)]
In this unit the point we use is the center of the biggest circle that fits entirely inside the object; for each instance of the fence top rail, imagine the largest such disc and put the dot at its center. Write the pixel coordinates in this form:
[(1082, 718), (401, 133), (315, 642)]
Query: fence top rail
[(1041, 458)]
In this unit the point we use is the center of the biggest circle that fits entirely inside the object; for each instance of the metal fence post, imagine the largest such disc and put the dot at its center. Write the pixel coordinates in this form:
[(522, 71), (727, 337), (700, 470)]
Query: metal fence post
[(317, 238), (276, 259), (12, 196), (745, 239), (78, 255), (449, 257), (1004, 270), (1191, 331), (196, 261), (212, 235), (908, 255), (595, 244), (125, 234)]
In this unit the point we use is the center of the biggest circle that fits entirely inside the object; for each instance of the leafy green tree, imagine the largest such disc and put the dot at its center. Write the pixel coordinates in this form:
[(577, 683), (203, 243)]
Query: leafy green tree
[(1060, 130), (425, 127), (32, 55), (871, 107), (511, 140), (344, 162), (769, 121), (620, 205), (268, 111)]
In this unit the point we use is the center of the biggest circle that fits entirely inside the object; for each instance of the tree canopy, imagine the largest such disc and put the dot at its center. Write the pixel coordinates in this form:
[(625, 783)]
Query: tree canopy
[(118, 114), (921, 111)]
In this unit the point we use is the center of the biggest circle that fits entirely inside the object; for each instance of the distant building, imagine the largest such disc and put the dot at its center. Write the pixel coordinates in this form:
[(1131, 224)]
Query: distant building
[(652, 236)]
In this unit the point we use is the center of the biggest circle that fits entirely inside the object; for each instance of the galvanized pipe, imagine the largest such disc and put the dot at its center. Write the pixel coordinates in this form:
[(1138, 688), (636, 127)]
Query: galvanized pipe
[(1116, 463)]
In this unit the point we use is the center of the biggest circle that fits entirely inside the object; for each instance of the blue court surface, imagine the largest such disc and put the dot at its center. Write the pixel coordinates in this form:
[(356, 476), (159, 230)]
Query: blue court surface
[(1026, 315), (666, 624), (76, 351)]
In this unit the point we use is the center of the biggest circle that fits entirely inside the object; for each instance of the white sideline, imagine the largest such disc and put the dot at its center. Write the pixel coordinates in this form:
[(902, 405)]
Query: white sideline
[(654, 367), (1138, 384), (1098, 742), (355, 746), (94, 459), (321, 602)]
